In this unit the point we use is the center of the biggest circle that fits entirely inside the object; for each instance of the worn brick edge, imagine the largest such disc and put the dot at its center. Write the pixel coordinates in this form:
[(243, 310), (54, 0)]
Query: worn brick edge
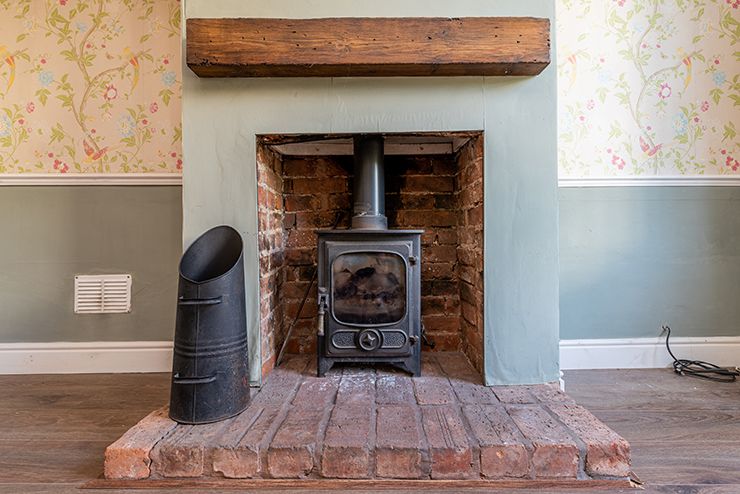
[(347, 485)]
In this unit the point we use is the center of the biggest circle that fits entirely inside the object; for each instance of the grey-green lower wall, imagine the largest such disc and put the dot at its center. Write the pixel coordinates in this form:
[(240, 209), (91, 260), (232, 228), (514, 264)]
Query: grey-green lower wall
[(635, 258), (631, 260), (49, 234)]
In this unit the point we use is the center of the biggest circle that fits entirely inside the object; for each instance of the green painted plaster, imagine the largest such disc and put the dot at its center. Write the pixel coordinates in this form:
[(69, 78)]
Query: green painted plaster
[(52, 233), (635, 258), (221, 118)]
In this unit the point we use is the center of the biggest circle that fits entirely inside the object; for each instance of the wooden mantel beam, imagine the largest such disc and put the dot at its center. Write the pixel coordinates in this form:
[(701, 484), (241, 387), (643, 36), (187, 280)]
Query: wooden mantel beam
[(368, 47)]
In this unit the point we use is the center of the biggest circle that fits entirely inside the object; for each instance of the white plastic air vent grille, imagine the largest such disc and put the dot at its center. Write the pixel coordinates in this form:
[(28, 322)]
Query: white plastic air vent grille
[(104, 294)]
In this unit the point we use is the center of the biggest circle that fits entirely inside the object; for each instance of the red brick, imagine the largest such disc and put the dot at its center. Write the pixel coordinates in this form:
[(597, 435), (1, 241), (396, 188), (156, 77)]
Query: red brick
[(310, 220), (289, 221), (302, 257), (278, 390), (433, 306), (445, 342), (300, 203), (429, 183), (467, 274), (347, 449), (300, 238), (428, 237), (455, 364), (291, 452), (181, 454), (545, 393), (513, 394), (606, 452), (452, 304), (433, 271), (416, 165), (432, 390), (442, 323), (325, 185), (472, 393), (470, 294), (470, 313), (317, 391), (429, 366), (449, 450), (417, 201), (333, 166), (294, 364), (339, 202), (444, 167), (269, 178), (310, 308), (472, 173), (502, 453), (447, 236), (398, 451), (445, 287), (555, 453), (299, 168), (236, 454), (356, 390), (475, 215), (427, 218), (467, 238), (297, 289), (128, 457), (394, 390), (473, 194)]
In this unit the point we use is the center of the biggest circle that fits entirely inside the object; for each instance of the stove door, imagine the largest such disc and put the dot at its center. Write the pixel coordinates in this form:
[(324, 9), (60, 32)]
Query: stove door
[(371, 288)]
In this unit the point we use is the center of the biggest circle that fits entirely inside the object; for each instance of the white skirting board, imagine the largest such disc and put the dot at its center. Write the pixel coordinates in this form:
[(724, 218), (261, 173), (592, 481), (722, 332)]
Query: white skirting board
[(646, 353), (156, 356), (86, 357)]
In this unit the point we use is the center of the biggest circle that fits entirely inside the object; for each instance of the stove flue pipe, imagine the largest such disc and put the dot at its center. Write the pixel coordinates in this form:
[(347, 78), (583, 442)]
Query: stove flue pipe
[(369, 190)]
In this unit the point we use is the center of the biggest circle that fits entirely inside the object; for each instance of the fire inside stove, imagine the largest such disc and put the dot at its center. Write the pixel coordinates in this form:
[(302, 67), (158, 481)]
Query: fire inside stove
[(369, 278)]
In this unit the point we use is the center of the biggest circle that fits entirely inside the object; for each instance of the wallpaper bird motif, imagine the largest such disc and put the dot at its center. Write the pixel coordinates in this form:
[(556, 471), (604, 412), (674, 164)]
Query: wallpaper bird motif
[(90, 86), (648, 87)]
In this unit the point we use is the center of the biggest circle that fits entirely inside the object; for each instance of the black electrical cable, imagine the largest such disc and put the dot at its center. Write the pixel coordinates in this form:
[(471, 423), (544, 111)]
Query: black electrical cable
[(698, 368)]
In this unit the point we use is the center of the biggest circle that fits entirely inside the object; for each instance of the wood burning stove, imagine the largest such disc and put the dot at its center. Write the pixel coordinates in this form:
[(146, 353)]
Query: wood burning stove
[(369, 278)]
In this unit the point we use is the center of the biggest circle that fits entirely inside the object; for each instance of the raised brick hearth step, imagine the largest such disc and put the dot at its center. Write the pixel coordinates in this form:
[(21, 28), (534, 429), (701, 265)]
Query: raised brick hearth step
[(366, 423)]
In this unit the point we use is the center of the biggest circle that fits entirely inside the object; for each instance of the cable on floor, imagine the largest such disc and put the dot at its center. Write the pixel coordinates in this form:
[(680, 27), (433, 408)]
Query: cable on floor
[(698, 368)]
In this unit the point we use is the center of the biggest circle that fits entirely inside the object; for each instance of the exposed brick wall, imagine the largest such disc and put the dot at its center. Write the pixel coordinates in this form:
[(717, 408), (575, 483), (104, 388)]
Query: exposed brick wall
[(315, 191), (439, 194), (469, 195), (420, 194), (271, 251)]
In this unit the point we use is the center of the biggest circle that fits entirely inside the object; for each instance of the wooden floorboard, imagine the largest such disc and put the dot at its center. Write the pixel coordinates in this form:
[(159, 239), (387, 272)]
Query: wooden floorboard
[(684, 433)]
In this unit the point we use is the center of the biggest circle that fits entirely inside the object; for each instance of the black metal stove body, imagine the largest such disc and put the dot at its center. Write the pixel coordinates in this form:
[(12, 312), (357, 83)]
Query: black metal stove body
[(369, 298), (369, 278)]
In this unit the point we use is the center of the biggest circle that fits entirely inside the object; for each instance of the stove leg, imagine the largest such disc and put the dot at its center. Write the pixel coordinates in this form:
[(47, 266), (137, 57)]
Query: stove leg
[(411, 365), (323, 366)]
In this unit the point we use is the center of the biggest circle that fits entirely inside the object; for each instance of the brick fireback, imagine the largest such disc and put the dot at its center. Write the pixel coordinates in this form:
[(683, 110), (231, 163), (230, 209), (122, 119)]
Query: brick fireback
[(442, 194)]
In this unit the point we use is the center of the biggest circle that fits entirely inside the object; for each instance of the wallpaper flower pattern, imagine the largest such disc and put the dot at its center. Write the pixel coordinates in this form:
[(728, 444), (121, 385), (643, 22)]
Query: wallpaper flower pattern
[(90, 86), (648, 87)]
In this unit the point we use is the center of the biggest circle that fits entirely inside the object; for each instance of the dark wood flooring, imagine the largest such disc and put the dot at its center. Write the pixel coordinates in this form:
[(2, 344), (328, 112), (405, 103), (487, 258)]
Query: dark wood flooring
[(684, 432)]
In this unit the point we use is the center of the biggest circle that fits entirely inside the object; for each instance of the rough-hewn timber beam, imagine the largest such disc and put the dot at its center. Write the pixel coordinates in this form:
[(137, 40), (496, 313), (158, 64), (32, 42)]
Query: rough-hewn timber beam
[(364, 47)]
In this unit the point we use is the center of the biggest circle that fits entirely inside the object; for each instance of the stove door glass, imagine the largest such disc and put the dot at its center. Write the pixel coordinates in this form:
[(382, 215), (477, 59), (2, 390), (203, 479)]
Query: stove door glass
[(369, 288)]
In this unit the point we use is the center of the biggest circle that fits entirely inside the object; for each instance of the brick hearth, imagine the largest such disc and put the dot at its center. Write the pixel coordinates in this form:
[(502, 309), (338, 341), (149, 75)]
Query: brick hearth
[(373, 423)]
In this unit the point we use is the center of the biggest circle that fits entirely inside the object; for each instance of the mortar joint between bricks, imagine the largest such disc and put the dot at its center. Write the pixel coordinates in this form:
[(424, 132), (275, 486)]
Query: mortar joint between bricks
[(582, 447)]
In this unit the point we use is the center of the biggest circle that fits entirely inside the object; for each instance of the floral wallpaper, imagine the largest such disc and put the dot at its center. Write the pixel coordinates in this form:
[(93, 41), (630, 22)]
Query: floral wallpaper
[(648, 87), (90, 86)]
